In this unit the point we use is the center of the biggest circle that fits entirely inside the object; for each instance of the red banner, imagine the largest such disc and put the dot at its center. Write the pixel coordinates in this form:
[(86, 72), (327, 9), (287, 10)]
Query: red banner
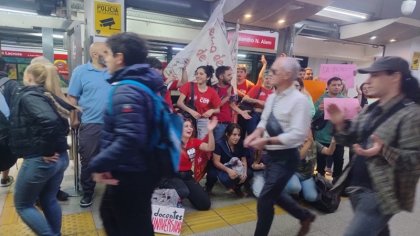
[(7, 53)]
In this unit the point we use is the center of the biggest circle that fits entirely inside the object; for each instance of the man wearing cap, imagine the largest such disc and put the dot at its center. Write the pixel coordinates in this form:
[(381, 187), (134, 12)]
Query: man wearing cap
[(382, 177)]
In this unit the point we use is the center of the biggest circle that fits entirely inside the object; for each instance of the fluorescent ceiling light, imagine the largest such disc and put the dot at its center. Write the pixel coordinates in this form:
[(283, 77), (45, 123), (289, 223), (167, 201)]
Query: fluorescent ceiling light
[(342, 14), (373, 37), (281, 21), (392, 40), (312, 37), (247, 15), (57, 36), (196, 20), (18, 11), (177, 49), (242, 55)]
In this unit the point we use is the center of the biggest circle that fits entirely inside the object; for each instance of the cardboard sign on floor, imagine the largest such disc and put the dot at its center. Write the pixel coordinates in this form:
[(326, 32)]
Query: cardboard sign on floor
[(167, 220)]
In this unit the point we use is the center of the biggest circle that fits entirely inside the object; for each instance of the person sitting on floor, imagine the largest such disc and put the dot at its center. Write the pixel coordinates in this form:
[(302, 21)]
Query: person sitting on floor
[(225, 165), (183, 182)]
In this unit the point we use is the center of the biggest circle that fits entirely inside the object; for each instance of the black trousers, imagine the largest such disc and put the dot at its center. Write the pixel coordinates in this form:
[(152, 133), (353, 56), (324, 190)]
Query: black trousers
[(338, 160), (187, 187), (89, 146), (281, 165), (126, 208)]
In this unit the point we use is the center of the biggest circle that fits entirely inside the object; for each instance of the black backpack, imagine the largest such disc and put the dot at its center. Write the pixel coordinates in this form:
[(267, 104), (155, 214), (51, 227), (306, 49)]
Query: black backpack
[(328, 201)]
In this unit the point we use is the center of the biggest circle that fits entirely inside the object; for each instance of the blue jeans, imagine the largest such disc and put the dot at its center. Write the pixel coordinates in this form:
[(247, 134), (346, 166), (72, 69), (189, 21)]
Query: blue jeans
[(307, 186), (40, 180), (368, 218)]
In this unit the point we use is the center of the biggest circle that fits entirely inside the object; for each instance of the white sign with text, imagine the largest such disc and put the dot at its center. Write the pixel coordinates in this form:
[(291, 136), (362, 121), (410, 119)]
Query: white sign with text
[(167, 220)]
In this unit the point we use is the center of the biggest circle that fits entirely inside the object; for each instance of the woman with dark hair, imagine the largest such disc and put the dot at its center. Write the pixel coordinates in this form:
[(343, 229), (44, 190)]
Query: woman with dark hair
[(183, 182), (206, 100), (362, 94), (229, 163)]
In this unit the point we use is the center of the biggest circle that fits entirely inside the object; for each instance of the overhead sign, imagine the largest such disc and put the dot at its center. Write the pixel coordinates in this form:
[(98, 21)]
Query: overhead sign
[(107, 18), (167, 220), (255, 39), (346, 72)]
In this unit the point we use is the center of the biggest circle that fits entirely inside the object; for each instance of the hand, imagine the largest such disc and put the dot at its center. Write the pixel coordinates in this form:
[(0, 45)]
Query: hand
[(232, 174), (333, 141), (370, 152), (245, 114), (196, 115), (248, 140), (321, 107), (359, 92), (105, 178), (208, 113), (258, 143), (212, 124), (263, 60), (51, 159), (261, 102), (75, 123), (336, 115)]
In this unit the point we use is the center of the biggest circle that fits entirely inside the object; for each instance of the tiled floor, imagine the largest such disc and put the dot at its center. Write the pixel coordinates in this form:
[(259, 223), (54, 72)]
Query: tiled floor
[(228, 216)]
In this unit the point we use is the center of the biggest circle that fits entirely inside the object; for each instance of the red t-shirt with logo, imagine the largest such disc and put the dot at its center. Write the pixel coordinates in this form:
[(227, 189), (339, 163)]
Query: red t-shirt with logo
[(245, 86), (203, 101), (253, 93), (225, 114), (189, 153)]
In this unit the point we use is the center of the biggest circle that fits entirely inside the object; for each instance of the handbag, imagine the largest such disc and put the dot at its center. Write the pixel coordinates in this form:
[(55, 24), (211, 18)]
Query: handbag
[(247, 106), (273, 126), (190, 104), (319, 123)]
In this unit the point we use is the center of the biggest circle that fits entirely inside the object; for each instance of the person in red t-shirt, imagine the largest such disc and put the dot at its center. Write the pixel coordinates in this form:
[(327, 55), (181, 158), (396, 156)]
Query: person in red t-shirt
[(224, 90), (206, 99), (243, 87), (184, 182)]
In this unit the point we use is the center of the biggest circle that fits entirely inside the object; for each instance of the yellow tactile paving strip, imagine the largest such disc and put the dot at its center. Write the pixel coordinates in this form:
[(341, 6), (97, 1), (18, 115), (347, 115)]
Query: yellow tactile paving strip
[(83, 224)]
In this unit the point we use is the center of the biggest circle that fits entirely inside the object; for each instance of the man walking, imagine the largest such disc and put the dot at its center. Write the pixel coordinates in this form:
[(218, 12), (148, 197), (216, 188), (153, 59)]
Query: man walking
[(384, 173), (89, 89), (284, 125), (124, 162)]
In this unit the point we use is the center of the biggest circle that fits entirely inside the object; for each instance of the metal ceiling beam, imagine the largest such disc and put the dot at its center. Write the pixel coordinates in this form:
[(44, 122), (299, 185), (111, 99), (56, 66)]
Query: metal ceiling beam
[(19, 20)]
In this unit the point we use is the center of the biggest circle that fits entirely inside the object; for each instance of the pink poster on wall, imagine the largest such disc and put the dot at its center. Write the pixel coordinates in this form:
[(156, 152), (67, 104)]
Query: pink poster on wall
[(344, 71)]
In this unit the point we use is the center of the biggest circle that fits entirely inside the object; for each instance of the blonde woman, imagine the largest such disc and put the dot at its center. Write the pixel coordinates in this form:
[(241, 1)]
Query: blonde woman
[(39, 128)]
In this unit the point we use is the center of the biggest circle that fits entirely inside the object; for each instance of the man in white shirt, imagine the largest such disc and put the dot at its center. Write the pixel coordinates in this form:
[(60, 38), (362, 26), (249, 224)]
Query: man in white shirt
[(284, 125)]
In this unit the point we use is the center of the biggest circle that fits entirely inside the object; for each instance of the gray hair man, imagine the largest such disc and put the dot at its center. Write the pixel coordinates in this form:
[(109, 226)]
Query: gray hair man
[(284, 125)]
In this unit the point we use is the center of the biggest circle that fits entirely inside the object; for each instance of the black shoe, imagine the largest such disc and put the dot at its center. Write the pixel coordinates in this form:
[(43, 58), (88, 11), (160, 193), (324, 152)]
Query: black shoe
[(6, 181), (86, 201), (305, 225), (62, 196)]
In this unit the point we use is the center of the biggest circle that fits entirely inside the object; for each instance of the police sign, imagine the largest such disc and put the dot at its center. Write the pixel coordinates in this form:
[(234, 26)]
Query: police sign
[(107, 18)]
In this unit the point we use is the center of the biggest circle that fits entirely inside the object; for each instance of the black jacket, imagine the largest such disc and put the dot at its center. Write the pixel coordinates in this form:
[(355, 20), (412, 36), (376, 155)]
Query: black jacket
[(126, 131), (36, 127)]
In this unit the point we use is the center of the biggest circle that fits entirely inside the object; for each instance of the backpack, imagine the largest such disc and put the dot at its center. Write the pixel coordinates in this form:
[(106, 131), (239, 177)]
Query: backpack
[(165, 140), (328, 201)]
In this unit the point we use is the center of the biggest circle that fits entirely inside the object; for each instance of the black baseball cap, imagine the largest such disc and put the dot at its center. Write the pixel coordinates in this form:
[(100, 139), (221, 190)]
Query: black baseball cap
[(389, 63)]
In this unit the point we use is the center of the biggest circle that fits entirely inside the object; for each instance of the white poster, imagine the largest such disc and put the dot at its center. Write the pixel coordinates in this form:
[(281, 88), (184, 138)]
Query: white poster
[(233, 48), (167, 220), (210, 47)]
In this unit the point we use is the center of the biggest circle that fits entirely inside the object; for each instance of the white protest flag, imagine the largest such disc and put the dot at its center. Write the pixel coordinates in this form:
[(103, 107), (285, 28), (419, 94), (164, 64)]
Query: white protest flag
[(233, 48), (210, 47)]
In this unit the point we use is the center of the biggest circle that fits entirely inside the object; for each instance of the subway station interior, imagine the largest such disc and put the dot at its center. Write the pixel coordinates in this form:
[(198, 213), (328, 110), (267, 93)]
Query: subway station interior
[(313, 31)]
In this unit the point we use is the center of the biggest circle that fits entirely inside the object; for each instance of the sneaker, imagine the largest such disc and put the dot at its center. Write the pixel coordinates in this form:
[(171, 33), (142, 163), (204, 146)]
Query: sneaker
[(62, 196), (7, 181), (86, 200), (305, 225)]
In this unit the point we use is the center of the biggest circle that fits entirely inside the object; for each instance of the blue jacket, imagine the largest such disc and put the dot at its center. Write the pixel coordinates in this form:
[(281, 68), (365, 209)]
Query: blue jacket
[(125, 133)]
